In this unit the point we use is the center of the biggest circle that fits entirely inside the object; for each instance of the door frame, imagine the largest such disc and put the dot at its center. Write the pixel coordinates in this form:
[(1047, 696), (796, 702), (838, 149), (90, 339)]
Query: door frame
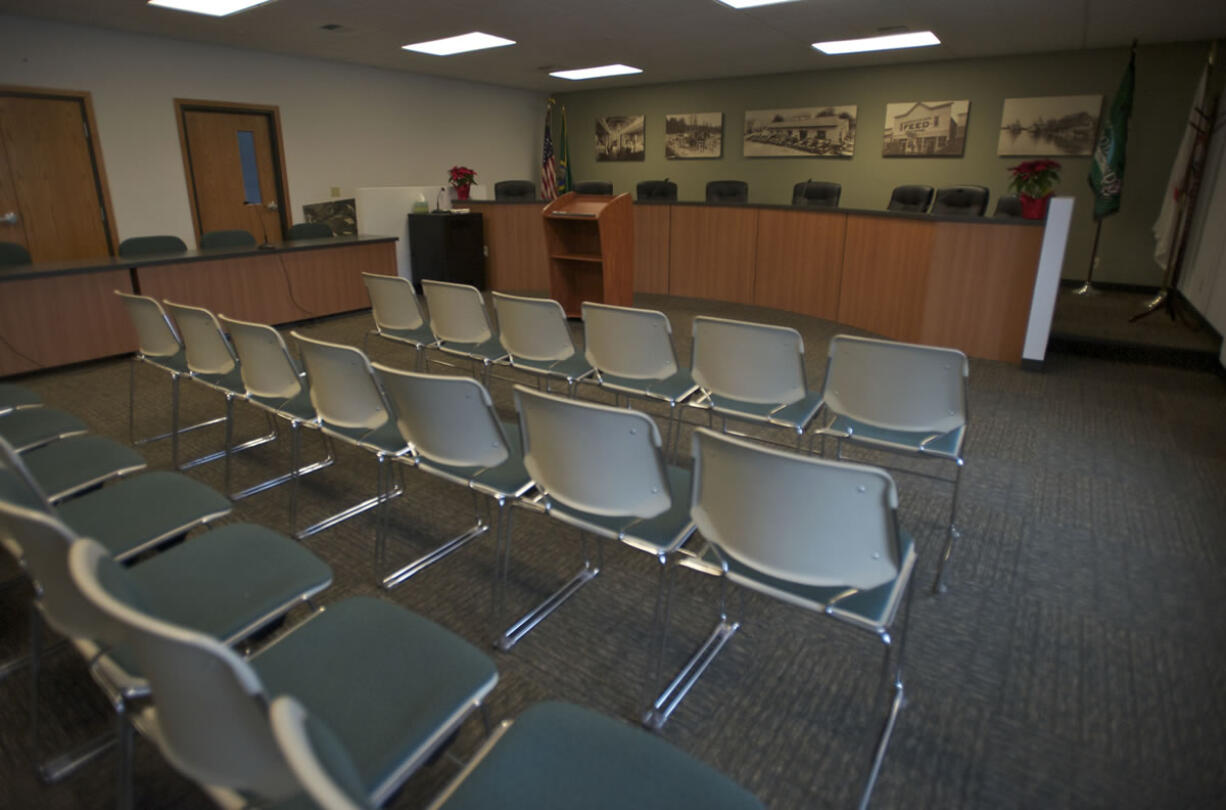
[(93, 138), (186, 105)]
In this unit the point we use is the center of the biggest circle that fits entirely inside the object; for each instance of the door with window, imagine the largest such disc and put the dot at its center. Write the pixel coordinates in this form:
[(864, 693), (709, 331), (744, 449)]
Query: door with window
[(234, 168)]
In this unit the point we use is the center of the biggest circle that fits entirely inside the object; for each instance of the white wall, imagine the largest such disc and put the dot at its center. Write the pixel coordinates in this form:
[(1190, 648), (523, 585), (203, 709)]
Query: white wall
[(1204, 270), (343, 125)]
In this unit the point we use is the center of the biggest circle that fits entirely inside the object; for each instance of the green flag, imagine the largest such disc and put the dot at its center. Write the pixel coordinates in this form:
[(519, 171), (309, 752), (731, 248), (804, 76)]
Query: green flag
[(1107, 166), (565, 183)]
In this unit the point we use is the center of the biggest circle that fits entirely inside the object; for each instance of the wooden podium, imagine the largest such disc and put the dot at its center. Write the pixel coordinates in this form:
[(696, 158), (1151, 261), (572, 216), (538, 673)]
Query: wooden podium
[(590, 241)]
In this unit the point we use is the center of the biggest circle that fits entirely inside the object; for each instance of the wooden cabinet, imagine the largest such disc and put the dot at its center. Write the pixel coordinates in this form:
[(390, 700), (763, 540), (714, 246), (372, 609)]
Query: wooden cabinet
[(590, 243), (447, 247)]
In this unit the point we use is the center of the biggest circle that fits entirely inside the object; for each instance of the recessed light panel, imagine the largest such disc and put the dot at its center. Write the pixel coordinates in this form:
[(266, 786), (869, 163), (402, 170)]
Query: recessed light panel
[(596, 72), (912, 39), (475, 41), (213, 8), (752, 3)]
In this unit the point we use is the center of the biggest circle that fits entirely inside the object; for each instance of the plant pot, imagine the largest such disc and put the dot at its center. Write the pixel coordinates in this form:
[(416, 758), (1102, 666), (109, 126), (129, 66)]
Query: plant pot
[(1033, 207), (461, 192)]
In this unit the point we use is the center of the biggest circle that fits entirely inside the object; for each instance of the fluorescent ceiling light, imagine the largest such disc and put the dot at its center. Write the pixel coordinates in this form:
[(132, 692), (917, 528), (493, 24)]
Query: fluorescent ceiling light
[(213, 8), (913, 39), (475, 41), (752, 3), (595, 72)]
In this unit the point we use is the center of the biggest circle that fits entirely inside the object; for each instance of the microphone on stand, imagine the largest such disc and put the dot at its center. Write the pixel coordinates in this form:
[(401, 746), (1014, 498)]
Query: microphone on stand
[(259, 215), (438, 200)]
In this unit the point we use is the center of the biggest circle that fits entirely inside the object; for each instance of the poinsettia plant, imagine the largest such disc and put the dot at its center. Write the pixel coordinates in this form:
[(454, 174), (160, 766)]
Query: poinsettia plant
[(462, 176), (1035, 178)]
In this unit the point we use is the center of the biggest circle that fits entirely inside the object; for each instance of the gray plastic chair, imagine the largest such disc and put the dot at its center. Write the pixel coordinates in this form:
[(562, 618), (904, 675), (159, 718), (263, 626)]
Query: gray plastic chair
[(455, 434), (817, 534), (13, 254), (461, 325), (397, 314), (600, 469), (633, 354), (136, 246), (29, 428), (309, 230), (15, 397), (754, 372), (535, 334), (388, 683), (236, 238), (70, 466), (900, 397)]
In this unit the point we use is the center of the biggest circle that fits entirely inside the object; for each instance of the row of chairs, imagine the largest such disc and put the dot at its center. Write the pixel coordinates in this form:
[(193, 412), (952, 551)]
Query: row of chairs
[(268, 724)]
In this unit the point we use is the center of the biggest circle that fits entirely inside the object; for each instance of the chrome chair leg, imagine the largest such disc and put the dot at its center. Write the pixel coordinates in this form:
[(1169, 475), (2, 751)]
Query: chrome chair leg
[(295, 471), (896, 702), (939, 585), (356, 509), (443, 551), (524, 625)]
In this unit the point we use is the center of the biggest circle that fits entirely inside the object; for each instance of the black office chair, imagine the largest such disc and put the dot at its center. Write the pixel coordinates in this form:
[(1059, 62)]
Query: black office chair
[(309, 230), (961, 201), (12, 253), (1008, 207), (727, 191), (915, 199), (515, 190), (656, 190), (227, 239), (815, 194), (594, 187), (150, 246)]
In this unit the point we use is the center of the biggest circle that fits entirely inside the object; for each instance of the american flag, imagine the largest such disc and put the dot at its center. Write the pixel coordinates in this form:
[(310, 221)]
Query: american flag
[(549, 171)]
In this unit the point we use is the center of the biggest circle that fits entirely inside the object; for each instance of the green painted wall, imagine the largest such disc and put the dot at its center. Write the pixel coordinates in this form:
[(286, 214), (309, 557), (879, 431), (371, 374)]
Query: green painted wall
[(1166, 77)]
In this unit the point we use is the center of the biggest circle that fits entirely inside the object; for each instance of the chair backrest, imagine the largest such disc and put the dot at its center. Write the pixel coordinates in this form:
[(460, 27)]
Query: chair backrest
[(533, 328), (659, 190), (968, 201), (625, 342), (393, 303), (595, 458), (457, 312), (343, 388), (155, 334), (816, 194), (208, 351), (150, 245), (447, 419), (594, 187), (727, 191), (915, 199), (899, 386), (316, 757), (211, 706), (797, 518), (309, 230), (267, 366), (12, 253), (1008, 206), (515, 190), (237, 238), (752, 362)]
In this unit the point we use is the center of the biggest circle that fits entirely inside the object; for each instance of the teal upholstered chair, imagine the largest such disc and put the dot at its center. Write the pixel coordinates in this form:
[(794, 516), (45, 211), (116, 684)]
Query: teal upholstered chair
[(69, 466), (308, 230), (536, 336), (135, 246), (12, 254), (15, 397), (236, 238), (461, 324), (397, 314), (28, 428)]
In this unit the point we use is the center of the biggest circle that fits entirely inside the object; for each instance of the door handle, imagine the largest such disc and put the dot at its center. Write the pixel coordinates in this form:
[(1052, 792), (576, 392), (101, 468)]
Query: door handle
[(10, 218)]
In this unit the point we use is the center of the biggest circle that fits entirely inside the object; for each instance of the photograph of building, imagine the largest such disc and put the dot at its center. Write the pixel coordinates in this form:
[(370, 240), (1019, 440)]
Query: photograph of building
[(620, 137), (693, 135), (805, 131), (924, 128)]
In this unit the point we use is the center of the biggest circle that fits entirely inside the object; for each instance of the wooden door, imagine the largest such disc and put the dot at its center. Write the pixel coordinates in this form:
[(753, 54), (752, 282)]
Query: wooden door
[(49, 180), (232, 159)]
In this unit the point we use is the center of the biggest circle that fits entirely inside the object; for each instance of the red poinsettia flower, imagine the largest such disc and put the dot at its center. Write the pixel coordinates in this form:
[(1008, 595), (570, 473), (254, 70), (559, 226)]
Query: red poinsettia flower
[(462, 176)]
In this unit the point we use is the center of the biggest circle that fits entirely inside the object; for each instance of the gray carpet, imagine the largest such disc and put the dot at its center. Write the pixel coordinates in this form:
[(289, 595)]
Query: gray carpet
[(1077, 661)]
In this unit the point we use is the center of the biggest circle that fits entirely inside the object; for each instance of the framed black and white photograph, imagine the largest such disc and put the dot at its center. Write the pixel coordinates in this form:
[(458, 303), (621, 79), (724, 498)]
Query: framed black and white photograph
[(801, 132), (925, 128), (693, 135), (341, 215), (620, 137), (1049, 125)]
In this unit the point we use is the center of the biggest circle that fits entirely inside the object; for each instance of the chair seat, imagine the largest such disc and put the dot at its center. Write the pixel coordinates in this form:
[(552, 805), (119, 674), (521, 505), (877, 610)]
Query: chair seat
[(141, 512), (664, 532), (70, 465), (421, 336), (795, 415), (490, 351), (509, 479), (558, 757), (29, 427), (384, 439), (946, 445), (296, 407), (575, 367), (231, 382), (407, 681), (17, 396), (175, 363), (672, 389)]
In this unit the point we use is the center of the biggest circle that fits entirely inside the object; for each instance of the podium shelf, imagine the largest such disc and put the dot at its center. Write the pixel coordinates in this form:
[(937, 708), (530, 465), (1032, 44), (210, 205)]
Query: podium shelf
[(577, 257)]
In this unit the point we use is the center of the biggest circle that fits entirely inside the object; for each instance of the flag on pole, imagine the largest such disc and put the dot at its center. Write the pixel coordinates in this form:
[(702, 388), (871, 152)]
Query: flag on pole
[(1107, 165), (565, 182), (1185, 173), (549, 171)]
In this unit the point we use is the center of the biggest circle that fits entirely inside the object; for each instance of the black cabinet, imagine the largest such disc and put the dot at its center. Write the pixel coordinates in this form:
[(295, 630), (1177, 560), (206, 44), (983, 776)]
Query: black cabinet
[(447, 247)]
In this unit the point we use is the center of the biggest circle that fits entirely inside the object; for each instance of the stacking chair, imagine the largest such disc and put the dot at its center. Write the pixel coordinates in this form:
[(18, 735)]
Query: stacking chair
[(212, 363), (899, 397), (963, 201), (309, 230), (28, 428), (73, 465), (537, 338), (392, 686), (656, 190), (914, 199), (350, 406), (810, 194), (397, 314), (275, 384), (461, 325), (555, 756), (814, 533), (515, 190), (632, 352), (601, 470), (237, 238), (594, 187), (135, 246), (727, 191), (455, 434), (13, 254), (754, 372), (15, 397)]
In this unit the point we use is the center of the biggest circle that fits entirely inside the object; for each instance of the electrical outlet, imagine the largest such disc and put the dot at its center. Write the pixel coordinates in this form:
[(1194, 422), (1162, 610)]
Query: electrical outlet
[(336, 191)]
